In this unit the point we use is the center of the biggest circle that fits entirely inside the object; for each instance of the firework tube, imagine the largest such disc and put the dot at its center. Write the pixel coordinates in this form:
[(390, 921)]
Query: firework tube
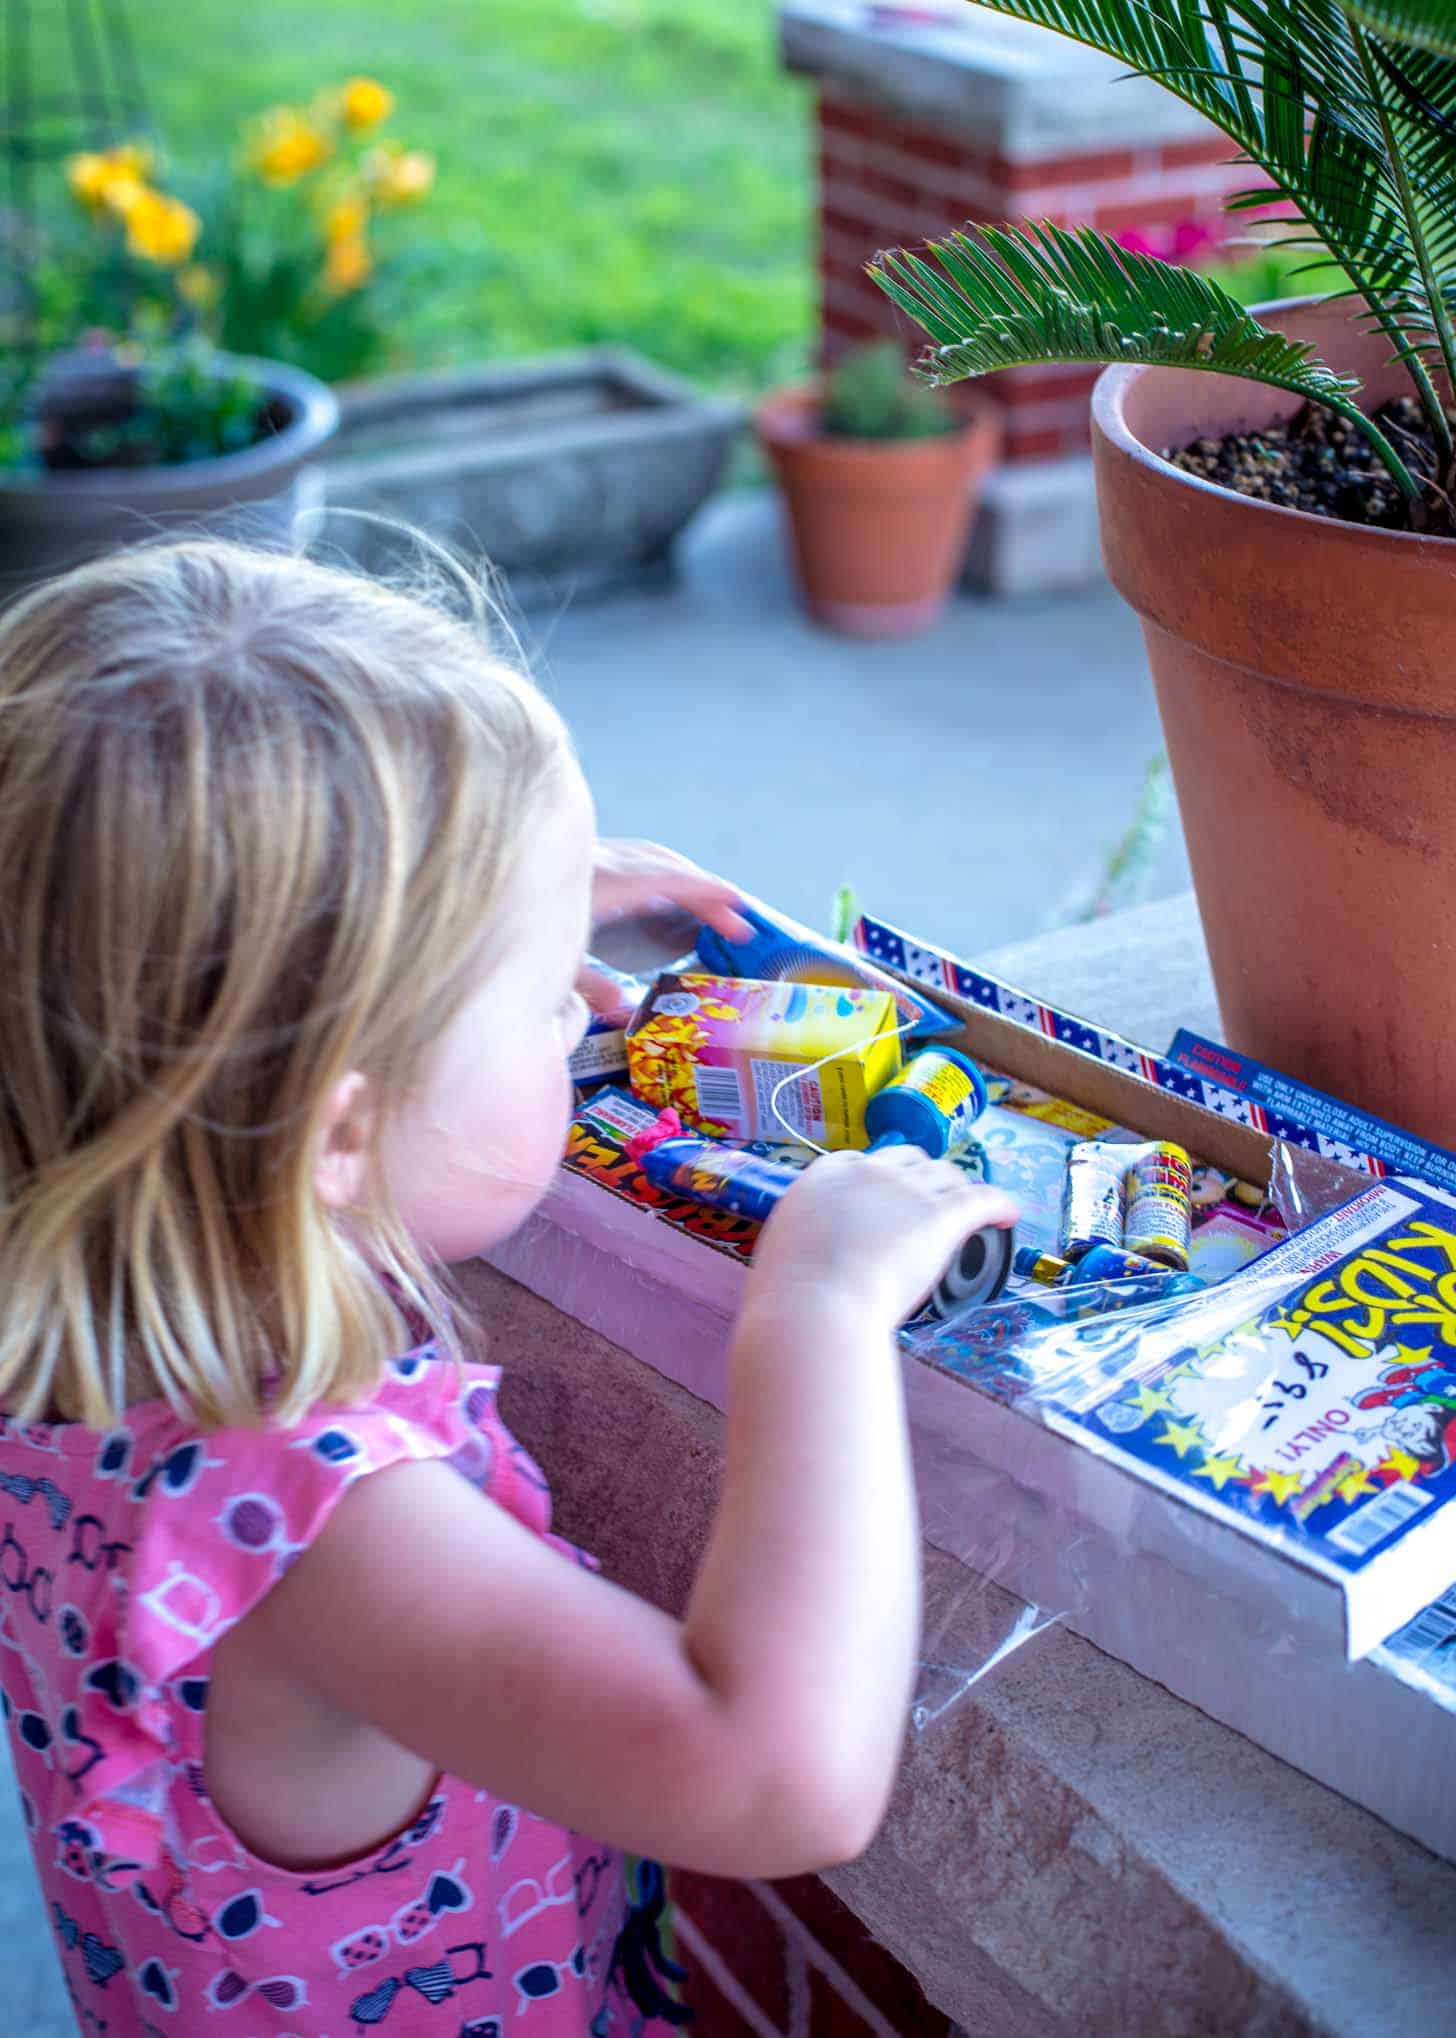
[(933, 1103), (751, 1185), (1158, 1205), (1092, 1198), (1101, 1263)]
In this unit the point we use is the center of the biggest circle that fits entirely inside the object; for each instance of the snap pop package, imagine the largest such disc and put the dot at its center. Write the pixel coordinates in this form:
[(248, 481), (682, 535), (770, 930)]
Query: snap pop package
[(741, 1059)]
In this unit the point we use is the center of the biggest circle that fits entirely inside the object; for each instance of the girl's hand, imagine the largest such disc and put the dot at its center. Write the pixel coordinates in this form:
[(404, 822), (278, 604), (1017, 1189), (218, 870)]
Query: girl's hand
[(876, 1230), (642, 877)]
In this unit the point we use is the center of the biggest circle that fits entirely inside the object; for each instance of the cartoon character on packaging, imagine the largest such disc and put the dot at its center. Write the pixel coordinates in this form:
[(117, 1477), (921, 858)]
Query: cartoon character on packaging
[(1420, 1401), (1211, 1186)]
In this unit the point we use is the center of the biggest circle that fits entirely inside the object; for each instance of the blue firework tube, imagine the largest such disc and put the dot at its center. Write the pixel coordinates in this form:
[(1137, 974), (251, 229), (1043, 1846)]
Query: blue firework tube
[(720, 1177), (933, 1103), (750, 1185)]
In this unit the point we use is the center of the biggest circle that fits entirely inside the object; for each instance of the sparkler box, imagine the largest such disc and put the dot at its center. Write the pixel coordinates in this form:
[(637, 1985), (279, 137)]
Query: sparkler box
[(1120, 1542)]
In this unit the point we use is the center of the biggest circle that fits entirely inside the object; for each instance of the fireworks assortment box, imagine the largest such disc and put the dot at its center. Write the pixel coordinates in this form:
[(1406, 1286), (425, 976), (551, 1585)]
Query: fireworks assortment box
[(1141, 1499)]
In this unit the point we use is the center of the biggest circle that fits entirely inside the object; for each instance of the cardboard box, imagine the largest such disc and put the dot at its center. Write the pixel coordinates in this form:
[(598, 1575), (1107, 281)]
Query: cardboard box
[(738, 1059), (1225, 1621)]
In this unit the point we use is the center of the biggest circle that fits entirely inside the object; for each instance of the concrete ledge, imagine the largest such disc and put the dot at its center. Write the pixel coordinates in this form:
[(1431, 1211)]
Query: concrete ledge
[(1024, 93), (1142, 973)]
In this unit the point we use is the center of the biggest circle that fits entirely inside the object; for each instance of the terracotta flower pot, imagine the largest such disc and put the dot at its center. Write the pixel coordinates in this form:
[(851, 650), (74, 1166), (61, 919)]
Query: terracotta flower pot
[(1306, 677), (878, 527)]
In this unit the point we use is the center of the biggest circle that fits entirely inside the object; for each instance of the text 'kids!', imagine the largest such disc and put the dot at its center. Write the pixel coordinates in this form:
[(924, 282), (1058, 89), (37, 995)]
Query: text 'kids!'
[(310, 1711)]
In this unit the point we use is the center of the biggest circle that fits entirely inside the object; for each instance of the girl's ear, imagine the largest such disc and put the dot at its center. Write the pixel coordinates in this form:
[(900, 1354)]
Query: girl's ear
[(338, 1171)]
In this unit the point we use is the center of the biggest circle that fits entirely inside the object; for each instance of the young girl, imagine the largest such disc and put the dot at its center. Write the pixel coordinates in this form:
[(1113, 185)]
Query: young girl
[(310, 1711)]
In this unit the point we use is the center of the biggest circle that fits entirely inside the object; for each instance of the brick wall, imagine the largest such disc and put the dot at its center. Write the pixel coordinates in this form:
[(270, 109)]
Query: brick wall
[(789, 1960), (886, 183)]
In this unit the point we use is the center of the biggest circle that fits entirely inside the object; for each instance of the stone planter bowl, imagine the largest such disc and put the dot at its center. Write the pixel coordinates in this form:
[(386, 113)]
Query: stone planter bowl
[(569, 475), (50, 521)]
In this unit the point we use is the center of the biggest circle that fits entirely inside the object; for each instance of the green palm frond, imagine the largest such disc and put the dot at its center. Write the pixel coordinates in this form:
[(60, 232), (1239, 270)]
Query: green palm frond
[(1299, 87), (1010, 297), (1420, 24)]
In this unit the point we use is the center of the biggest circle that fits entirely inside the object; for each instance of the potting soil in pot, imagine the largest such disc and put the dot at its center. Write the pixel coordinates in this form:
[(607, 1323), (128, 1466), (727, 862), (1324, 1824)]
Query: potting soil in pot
[(1321, 463)]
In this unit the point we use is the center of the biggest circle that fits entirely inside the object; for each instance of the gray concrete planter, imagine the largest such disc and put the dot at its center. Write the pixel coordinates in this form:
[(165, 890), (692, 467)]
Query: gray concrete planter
[(570, 475), (49, 521)]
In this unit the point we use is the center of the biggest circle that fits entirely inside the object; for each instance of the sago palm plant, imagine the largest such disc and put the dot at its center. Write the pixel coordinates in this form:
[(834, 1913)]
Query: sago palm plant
[(1350, 112)]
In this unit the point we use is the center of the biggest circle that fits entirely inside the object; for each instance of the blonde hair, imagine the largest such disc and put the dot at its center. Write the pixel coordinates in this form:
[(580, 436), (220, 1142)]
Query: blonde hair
[(257, 818)]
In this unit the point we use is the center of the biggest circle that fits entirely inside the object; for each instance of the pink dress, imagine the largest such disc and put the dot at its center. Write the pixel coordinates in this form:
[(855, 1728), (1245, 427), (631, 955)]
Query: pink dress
[(123, 1559)]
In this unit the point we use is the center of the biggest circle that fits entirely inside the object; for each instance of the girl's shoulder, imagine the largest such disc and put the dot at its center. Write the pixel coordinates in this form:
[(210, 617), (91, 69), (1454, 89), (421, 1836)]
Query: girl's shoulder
[(150, 1541)]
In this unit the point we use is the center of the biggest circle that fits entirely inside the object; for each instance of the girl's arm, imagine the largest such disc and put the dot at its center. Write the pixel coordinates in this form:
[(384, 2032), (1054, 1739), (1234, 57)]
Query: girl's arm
[(759, 1735)]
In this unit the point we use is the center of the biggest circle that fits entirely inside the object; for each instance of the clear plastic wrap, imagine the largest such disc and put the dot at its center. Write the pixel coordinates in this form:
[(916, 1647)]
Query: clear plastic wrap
[(1307, 1400)]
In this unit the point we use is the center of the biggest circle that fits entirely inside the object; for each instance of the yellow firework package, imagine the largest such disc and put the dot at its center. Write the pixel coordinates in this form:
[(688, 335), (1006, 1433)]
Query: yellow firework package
[(732, 1056)]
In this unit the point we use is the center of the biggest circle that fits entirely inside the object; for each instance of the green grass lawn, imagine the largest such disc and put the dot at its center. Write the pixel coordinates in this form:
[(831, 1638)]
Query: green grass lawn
[(633, 171)]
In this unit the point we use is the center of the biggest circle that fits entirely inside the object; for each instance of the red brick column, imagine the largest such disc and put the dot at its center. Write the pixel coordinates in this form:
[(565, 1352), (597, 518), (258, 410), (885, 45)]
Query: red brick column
[(789, 1960), (887, 182)]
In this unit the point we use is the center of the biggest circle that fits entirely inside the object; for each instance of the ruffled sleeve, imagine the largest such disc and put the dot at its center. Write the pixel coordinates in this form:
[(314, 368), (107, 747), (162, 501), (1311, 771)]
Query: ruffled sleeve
[(216, 1520)]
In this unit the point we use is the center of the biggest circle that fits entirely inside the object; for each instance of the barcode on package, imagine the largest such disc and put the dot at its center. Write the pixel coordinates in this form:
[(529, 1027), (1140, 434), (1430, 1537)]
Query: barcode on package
[(1380, 1518), (1431, 1633), (720, 1094)]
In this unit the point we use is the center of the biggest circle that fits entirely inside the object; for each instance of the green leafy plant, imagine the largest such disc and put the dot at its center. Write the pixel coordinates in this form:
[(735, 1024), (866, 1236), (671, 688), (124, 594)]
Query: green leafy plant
[(867, 396), (280, 261), (177, 409), (1349, 110)]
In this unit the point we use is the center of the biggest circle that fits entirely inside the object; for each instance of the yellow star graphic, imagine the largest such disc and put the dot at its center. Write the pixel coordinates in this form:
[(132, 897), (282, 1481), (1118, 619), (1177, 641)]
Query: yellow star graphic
[(1181, 1437), (1355, 1482), (1280, 1486), (1399, 1463), (1153, 1400), (1220, 1471)]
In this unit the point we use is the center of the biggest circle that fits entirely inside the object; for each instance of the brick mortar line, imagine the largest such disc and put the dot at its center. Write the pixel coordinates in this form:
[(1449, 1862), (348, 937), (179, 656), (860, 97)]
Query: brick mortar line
[(793, 1926), (876, 150), (726, 1983), (957, 194)]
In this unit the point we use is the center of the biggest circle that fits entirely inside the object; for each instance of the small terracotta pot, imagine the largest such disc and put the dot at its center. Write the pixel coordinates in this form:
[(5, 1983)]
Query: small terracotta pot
[(1306, 678), (878, 527)]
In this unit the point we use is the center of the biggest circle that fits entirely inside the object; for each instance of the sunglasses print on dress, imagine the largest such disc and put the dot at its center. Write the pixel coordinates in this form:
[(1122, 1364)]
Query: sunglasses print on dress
[(443, 1895), (241, 1916), (527, 1898), (176, 1473), (101, 1961), (255, 1524), (281, 1991), (437, 1983), (546, 1978)]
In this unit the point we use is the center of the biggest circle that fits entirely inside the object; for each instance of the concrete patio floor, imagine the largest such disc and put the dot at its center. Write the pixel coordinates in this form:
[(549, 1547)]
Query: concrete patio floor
[(965, 783)]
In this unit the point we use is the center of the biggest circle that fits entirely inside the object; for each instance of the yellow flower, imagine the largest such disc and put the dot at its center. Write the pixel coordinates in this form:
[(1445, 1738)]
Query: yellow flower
[(109, 176), (161, 229), (396, 176), (198, 286), (88, 175), (123, 192), (287, 146), (347, 264), (108, 181), (346, 219), (365, 102), (139, 158)]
